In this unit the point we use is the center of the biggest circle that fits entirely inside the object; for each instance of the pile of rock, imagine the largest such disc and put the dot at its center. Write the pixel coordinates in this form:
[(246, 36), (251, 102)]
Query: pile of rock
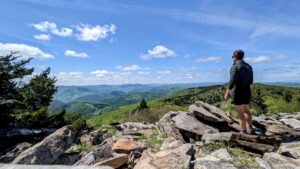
[(178, 140)]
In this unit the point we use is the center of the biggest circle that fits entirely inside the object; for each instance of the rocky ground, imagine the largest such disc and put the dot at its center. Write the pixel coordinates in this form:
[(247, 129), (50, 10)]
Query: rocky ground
[(203, 138)]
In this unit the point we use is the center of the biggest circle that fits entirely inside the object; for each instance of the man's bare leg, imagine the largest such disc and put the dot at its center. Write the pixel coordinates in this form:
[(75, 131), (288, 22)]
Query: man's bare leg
[(248, 115), (241, 115)]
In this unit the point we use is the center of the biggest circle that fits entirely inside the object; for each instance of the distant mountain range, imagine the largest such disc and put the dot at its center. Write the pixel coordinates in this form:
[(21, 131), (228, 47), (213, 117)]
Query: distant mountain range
[(93, 100)]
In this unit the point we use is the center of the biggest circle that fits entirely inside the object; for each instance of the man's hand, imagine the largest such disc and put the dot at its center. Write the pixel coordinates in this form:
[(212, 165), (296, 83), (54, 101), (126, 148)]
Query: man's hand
[(226, 96)]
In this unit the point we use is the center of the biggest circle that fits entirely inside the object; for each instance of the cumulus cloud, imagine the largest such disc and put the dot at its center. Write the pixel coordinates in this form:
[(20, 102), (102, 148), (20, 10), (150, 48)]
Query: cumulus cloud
[(42, 37), (72, 53), (24, 50), (101, 73), (51, 27), (214, 59), (131, 68), (163, 72), (265, 58), (70, 74), (95, 33), (158, 51), (143, 73), (280, 69)]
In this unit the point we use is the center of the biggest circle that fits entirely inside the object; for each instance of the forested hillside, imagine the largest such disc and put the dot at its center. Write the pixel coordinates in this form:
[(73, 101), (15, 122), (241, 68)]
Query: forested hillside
[(266, 99)]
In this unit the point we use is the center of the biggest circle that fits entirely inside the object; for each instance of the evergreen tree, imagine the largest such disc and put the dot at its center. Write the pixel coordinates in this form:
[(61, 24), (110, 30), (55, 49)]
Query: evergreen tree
[(12, 69), (143, 104)]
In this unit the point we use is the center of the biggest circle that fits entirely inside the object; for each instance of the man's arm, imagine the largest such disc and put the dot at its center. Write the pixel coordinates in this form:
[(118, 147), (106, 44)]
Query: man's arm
[(231, 83)]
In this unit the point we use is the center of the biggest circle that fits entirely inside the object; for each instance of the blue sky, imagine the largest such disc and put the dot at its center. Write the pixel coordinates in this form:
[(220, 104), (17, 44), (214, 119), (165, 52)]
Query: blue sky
[(152, 41)]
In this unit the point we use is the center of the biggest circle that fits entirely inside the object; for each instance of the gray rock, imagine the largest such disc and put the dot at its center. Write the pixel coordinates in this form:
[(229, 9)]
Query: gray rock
[(135, 126), (209, 164), (291, 149), (68, 158), (48, 150), (222, 154), (186, 122), (293, 123), (92, 138), (127, 146), (167, 126), (202, 113), (262, 163), (100, 152), (114, 162), (277, 161), (176, 156), (223, 136), (15, 166), (9, 156)]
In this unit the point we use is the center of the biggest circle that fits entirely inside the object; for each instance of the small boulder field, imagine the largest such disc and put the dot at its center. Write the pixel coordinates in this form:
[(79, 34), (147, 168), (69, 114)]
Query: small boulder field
[(205, 137)]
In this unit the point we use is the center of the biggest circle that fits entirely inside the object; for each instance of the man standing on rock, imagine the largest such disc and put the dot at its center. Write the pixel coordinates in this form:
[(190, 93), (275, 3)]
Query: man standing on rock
[(239, 88)]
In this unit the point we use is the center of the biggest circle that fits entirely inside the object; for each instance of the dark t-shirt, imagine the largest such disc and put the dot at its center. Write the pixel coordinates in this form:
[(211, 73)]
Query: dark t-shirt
[(241, 77)]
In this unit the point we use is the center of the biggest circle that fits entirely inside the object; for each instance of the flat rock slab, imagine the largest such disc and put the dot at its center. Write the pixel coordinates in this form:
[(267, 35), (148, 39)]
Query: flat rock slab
[(277, 161), (114, 162), (293, 123), (291, 149), (214, 110), (15, 166), (223, 136), (126, 146), (201, 113), (186, 122)]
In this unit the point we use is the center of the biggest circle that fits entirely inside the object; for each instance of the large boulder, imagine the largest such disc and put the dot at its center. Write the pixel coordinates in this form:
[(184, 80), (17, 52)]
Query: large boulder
[(188, 123), (291, 149), (215, 137), (172, 156), (277, 161), (49, 149), (167, 127)]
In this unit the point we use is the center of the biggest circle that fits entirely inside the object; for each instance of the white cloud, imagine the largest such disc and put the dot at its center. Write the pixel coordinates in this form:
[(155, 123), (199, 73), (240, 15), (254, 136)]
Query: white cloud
[(72, 53), (143, 73), (101, 73), (43, 37), (214, 59), (158, 51), (265, 58), (95, 33), (163, 72), (70, 74), (24, 50), (280, 69), (47, 26), (131, 68)]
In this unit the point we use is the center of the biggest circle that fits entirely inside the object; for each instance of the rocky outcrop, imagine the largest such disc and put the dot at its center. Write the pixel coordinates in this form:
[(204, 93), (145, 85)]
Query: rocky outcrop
[(174, 156), (178, 140), (48, 150)]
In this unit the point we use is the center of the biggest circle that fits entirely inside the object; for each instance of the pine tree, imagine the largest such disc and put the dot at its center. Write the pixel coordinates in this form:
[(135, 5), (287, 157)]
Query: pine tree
[(12, 69), (143, 104)]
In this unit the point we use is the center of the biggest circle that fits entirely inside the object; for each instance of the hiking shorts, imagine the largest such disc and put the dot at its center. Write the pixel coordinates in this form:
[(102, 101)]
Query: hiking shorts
[(241, 95)]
